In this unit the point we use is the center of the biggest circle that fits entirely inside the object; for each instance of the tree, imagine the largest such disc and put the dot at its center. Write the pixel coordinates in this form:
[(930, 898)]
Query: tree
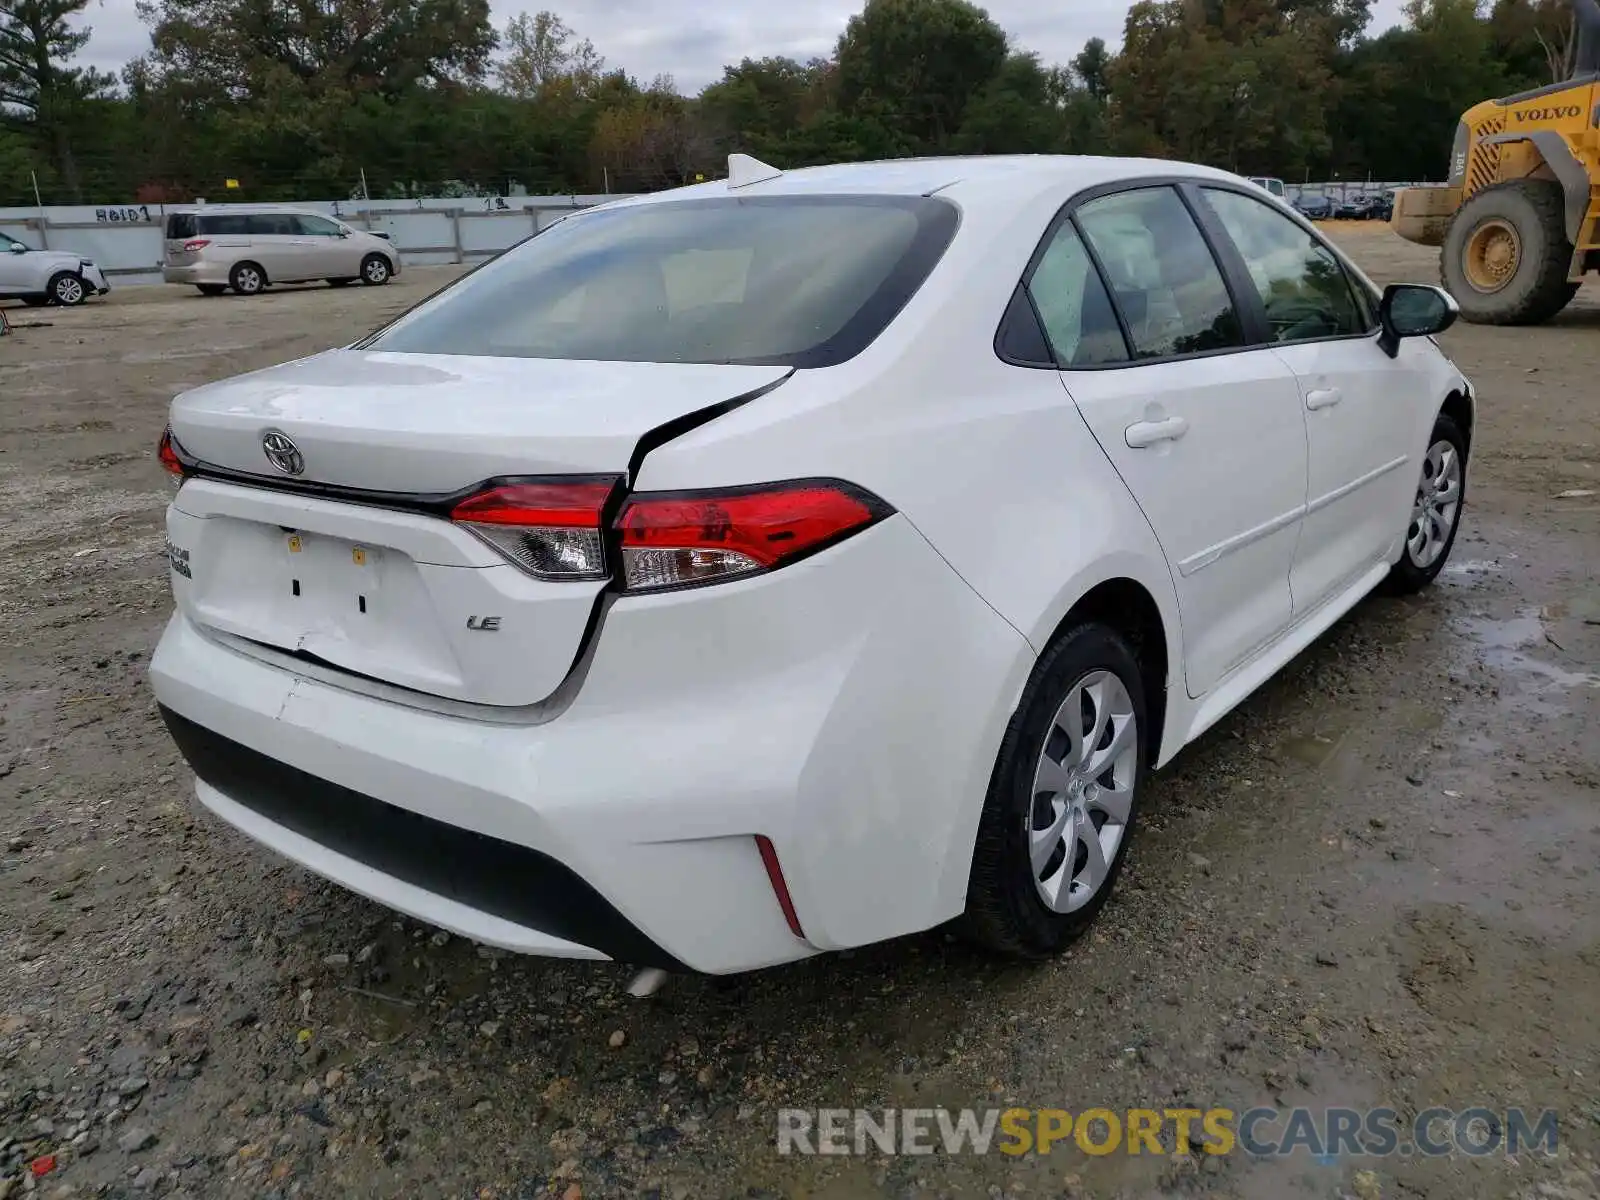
[(756, 104), (301, 98), (1405, 90), (246, 50), (1454, 65), (1228, 82), (39, 91), (542, 51), (1091, 65), (1521, 42), (917, 64), (1344, 20), (1032, 109), (1556, 30), (832, 136), (652, 140)]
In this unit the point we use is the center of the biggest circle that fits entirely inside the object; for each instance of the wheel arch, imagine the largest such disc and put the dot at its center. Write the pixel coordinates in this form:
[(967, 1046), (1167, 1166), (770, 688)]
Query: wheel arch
[(64, 272), (1552, 148), (1459, 407), (1128, 605)]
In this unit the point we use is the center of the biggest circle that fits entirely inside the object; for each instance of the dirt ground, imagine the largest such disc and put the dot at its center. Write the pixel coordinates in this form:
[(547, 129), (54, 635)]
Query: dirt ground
[(1372, 885)]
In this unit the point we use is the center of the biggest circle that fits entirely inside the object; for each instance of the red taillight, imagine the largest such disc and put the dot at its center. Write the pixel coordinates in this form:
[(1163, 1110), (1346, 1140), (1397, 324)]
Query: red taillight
[(167, 452), (554, 528), (194, 244), (676, 539), (551, 529), (571, 504)]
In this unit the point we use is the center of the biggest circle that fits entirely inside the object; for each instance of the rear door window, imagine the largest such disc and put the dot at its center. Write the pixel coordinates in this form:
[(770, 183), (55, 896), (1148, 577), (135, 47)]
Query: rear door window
[(273, 225), (1073, 305), (1163, 277), (224, 225)]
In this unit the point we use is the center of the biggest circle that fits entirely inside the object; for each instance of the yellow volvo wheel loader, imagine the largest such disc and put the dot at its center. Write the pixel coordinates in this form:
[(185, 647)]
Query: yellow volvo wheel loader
[(1519, 221)]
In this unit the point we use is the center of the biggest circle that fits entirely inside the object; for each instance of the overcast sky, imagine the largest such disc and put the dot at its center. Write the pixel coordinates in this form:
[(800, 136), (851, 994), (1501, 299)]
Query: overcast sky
[(691, 41)]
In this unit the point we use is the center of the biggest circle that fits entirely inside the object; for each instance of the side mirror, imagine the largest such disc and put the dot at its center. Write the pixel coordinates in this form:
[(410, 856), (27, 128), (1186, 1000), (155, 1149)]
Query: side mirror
[(1413, 310), (17, 248)]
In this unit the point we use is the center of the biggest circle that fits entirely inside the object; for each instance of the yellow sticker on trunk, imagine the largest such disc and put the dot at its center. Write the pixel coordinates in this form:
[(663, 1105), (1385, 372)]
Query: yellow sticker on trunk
[(358, 556), (294, 544)]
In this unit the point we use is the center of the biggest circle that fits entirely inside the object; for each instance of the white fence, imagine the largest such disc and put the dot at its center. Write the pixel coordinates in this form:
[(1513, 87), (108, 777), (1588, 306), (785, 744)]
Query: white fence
[(125, 240)]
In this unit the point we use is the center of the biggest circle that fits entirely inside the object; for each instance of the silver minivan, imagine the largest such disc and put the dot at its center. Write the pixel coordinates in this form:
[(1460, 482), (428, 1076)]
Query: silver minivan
[(247, 249)]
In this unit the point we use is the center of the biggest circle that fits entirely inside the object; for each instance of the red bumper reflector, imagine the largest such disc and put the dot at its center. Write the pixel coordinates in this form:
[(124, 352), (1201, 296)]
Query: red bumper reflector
[(769, 859)]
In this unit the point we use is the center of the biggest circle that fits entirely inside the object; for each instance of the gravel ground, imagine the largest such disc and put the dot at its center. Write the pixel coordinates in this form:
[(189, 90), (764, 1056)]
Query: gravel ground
[(1373, 884)]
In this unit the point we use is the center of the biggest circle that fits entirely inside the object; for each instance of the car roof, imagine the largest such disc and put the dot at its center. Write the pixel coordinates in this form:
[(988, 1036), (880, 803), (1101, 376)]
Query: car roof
[(245, 210), (1014, 177)]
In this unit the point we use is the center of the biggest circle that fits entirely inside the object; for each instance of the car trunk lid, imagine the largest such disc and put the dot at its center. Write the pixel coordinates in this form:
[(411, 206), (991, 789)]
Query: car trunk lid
[(354, 561)]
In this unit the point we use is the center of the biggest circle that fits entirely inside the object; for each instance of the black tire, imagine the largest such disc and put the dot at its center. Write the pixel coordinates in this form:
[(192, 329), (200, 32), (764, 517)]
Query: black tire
[(1005, 912), (1538, 288), (36, 301), (211, 289), (1408, 575), (376, 270), (66, 289), (247, 278), (344, 282)]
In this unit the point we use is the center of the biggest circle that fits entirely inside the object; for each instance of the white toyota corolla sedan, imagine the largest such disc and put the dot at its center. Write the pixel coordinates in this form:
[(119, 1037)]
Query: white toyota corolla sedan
[(797, 560)]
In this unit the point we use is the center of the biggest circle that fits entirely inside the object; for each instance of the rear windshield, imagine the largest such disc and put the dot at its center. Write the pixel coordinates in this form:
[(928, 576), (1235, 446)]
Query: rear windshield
[(181, 225), (787, 280)]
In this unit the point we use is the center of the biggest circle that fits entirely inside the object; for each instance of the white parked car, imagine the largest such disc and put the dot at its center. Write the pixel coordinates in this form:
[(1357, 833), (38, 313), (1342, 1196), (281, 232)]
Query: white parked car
[(799, 560), (40, 277)]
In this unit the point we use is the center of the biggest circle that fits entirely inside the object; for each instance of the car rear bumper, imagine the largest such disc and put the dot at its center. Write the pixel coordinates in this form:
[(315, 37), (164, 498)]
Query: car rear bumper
[(847, 708), (495, 889), (196, 273)]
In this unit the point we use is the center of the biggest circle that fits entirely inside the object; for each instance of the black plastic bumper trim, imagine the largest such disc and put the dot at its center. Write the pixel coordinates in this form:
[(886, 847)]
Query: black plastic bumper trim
[(485, 873)]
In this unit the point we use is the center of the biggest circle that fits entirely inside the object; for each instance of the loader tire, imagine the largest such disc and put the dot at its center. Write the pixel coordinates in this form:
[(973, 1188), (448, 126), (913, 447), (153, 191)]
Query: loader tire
[(1506, 255)]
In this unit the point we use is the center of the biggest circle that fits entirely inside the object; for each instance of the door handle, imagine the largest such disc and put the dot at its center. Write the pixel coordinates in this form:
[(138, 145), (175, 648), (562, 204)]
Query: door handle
[(1323, 398), (1141, 434)]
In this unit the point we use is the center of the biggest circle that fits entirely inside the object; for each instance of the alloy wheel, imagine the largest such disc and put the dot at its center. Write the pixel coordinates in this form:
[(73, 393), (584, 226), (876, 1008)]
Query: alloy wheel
[(1083, 791), (1437, 506)]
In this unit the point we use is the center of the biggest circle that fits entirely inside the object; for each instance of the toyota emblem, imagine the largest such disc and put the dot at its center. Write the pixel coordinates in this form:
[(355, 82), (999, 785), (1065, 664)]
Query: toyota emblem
[(282, 453)]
